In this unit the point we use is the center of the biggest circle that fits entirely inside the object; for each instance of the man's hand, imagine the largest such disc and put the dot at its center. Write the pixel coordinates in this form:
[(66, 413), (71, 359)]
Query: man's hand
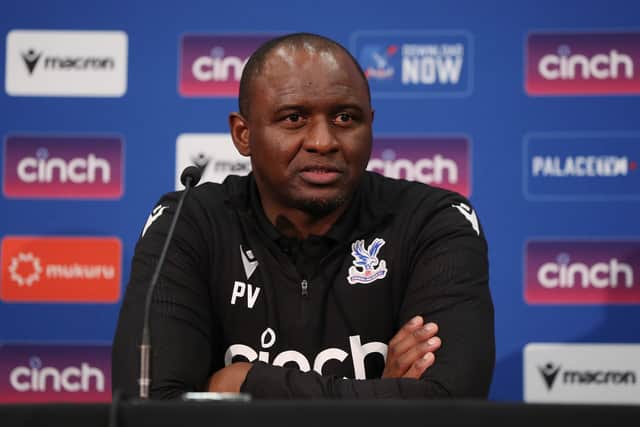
[(411, 350), (229, 378)]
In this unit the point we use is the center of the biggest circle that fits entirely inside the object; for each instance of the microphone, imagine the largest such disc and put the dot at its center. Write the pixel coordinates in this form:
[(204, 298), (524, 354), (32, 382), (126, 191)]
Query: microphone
[(189, 178)]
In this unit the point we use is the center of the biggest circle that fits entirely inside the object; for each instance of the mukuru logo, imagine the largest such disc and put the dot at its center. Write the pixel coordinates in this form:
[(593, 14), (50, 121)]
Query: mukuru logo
[(60, 269)]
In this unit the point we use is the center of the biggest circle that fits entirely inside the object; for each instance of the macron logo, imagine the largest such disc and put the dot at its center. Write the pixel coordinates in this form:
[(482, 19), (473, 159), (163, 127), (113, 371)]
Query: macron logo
[(31, 58), (249, 262), (549, 373), (153, 216), (470, 215)]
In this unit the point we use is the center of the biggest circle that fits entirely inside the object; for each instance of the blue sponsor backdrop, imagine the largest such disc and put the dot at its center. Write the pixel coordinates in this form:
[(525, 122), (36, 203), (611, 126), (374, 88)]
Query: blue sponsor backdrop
[(491, 107)]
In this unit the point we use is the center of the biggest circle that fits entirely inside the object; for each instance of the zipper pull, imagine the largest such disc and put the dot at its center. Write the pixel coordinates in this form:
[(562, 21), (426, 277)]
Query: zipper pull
[(304, 287)]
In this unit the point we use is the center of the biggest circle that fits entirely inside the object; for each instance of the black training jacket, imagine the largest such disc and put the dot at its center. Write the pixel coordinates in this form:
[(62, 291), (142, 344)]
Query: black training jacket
[(227, 293)]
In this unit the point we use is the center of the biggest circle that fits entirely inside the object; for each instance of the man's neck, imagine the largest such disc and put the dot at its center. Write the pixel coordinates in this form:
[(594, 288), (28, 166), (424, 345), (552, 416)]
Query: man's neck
[(300, 224)]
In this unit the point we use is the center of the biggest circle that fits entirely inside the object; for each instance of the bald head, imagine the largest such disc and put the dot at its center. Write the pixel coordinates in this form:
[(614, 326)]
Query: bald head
[(311, 43)]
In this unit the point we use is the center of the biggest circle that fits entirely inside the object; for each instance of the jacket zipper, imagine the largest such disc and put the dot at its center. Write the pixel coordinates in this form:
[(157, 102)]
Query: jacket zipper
[(304, 300)]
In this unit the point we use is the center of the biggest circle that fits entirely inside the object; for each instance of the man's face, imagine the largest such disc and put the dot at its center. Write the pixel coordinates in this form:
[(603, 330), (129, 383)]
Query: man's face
[(309, 129)]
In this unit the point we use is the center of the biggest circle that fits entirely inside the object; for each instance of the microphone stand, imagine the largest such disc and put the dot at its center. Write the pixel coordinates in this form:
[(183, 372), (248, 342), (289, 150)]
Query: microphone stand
[(189, 178)]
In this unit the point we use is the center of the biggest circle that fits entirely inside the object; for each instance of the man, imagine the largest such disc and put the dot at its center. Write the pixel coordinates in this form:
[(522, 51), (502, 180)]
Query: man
[(311, 277)]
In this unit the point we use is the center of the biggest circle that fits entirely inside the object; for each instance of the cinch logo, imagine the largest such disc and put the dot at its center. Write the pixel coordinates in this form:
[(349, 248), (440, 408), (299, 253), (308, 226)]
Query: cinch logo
[(401, 64), (61, 269), (581, 166), (565, 66), (37, 377), (211, 65), (438, 161), (582, 272), (268, 338), (564, 274), (66, 63), (583, 63), (214, 153), (63, 167), (55, 373)]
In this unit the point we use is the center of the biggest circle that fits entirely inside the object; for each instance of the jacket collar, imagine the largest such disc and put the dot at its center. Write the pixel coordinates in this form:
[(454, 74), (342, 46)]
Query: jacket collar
[(368, 208)]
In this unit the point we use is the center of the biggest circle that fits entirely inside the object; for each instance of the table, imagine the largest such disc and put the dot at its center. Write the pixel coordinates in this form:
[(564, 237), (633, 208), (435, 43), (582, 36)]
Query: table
[(321, 413)]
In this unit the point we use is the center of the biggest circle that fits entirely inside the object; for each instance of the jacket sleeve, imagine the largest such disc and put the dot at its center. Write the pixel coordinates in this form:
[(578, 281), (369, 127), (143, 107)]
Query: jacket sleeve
[(181, 315), (448, 283)]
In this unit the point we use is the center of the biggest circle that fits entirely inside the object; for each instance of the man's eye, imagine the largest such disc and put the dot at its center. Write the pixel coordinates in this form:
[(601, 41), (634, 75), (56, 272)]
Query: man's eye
[(294, 118), (343, 118)]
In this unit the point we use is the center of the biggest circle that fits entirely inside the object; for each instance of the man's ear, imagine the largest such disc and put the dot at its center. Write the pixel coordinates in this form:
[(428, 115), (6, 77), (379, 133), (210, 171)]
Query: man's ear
[(240, 133)]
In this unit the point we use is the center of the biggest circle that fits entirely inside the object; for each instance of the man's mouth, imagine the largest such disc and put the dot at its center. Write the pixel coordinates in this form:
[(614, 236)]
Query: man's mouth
[(320, 175)]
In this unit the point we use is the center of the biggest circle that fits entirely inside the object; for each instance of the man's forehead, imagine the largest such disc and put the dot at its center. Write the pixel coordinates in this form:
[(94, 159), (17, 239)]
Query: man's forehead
[(305, 53), (306, 73), (297, 61)]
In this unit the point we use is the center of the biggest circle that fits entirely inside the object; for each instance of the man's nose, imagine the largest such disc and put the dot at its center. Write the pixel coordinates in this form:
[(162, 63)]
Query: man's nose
[(320, 138)]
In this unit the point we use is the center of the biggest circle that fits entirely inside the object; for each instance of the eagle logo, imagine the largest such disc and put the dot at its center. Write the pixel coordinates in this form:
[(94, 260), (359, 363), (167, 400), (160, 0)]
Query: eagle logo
[(367, 267)]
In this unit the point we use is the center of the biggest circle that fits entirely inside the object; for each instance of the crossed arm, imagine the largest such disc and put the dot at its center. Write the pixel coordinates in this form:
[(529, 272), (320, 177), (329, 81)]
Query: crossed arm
[(410, 353)]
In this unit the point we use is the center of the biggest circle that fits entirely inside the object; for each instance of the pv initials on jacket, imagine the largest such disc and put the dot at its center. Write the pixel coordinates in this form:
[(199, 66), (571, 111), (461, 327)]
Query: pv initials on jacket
[(268, 338), (245, 289)]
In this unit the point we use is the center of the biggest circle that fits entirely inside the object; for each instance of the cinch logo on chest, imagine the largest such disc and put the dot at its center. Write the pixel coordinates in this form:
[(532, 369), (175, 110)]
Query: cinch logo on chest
[(359, 352), (242, 289)]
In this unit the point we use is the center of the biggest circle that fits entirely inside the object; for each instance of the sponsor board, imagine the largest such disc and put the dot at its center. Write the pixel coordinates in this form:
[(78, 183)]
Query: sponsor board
[(211, 64), (61, 269), (582, 272), (43, 373), (66, 63), (68, 167), (442, 161), (581, 166), (214, 153), (406, 64), (584, 63), (582, 373)]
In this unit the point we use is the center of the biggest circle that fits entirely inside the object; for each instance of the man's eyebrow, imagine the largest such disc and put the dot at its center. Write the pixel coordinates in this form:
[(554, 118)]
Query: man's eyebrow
[(285, 107), (334, 108), (348, 106)]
